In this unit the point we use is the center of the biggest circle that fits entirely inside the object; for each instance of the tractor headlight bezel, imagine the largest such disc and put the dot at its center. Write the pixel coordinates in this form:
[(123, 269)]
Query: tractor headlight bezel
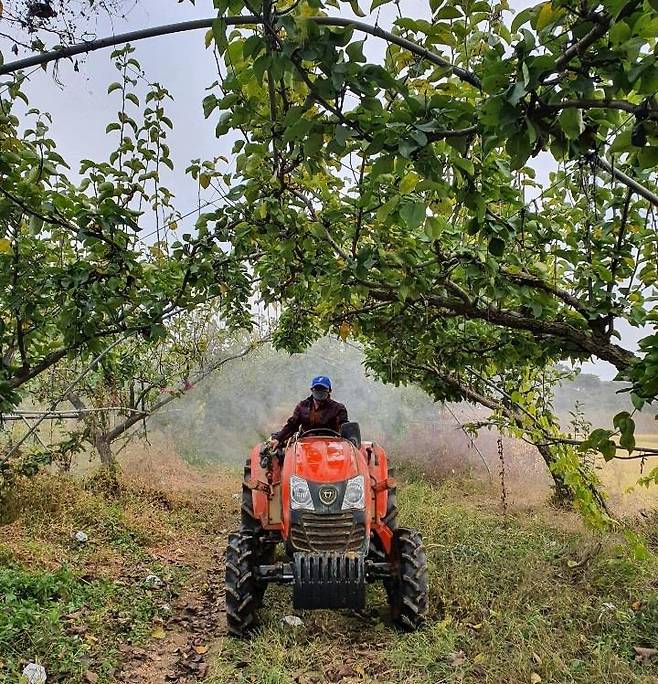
[(355, 494), (300, 494)]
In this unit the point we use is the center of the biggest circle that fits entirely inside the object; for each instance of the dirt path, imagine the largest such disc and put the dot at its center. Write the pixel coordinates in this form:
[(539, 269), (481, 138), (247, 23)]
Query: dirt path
[(179, 649)]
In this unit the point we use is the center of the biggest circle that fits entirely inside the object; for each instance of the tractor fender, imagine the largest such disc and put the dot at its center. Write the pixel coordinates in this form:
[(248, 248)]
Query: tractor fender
[(265, 491)]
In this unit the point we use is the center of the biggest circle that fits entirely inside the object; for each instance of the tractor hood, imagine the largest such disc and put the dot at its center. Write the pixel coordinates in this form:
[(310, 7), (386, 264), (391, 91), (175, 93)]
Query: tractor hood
[(323, 459)]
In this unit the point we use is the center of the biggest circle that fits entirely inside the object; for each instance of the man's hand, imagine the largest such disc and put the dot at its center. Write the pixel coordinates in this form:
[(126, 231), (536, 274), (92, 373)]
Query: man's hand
[(274, 444)]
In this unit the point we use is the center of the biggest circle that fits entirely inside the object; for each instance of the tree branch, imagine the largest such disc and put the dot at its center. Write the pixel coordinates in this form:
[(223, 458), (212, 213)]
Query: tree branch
[(622, 105), (151, 32), (626, 180), (137, 417)]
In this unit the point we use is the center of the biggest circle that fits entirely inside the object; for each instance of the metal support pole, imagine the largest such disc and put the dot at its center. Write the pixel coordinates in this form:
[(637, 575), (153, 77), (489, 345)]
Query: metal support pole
[(246, 20)]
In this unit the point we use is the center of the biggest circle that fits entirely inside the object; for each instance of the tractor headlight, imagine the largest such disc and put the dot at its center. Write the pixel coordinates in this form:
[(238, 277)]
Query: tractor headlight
[(300, 494), (354, 493)]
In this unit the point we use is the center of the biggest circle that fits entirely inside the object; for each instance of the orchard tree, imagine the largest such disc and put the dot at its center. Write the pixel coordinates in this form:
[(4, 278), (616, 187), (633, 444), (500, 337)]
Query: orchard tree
[(77, 270), (379, 193), (399, 185), (135, 381)]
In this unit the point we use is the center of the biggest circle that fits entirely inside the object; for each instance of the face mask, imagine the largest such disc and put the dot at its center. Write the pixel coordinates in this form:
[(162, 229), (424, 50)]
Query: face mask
[(319, 394)]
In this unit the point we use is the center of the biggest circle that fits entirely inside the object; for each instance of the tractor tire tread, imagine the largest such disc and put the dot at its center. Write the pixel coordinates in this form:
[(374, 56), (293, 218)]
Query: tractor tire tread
[(409, 592), (240, 584)]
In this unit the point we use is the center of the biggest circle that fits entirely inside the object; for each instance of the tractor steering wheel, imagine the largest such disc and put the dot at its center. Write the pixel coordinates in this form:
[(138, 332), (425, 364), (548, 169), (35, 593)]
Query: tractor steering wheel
[(323, 432)]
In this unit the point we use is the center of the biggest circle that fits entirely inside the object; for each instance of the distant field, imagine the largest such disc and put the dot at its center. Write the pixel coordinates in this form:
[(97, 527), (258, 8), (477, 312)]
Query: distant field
[(527, 480), (620, 478)]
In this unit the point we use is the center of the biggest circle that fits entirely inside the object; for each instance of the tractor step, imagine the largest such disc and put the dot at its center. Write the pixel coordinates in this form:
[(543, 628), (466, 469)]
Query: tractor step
[(329, 580)]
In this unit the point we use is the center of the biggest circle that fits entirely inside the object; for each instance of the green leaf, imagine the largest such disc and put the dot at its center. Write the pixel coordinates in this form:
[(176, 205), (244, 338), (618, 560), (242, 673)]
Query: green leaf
[(619, 33), (219, 34), (408, 182), (608, 449), (571, 121), (465, 165), (448, 12), (341, 134), (638, 402), (114, 86), (546, 16), (383, 165), (434, 227), (355, 51), (522, 17), (647, 157), (413, 214), (354, 4), (518, 147), (597, 436), (626, 426), (622, 143), (210, 102), (496, 246)]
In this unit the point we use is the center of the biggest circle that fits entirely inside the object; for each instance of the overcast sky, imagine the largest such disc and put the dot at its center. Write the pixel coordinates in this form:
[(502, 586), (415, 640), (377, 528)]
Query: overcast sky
[(81, 107)]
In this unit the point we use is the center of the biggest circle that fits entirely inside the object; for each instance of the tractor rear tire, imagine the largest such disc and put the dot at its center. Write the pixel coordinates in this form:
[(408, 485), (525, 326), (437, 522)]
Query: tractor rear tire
[(408, 590), (241, 583)]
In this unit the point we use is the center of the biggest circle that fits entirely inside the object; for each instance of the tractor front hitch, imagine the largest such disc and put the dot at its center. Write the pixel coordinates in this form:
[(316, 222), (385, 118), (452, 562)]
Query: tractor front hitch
[(326, 580), (329, 580)]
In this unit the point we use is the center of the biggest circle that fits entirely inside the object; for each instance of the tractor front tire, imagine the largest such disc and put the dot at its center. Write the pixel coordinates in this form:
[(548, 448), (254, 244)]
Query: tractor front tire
[(408, 590), (241, 583)]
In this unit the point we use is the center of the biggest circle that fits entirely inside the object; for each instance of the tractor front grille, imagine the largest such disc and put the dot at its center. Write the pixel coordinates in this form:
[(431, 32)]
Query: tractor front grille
[(318, 532)]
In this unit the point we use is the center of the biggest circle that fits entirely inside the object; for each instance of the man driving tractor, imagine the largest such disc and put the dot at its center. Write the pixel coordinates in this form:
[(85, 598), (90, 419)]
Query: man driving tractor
[(320, 515), (319, 411)]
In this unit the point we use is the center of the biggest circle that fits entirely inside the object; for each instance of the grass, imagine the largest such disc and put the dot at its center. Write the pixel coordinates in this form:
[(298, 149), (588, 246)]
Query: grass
[(68, 606), (67, 623), (513, 598), (533, 595)]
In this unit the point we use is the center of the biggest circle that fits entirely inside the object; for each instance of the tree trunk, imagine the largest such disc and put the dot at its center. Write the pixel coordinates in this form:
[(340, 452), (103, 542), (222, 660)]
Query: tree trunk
[(104, 448), (561, 493)]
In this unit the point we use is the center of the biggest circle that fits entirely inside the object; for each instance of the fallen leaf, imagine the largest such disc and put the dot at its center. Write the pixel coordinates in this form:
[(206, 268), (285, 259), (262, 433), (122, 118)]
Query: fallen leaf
[(91, 677), (636, 606), (535, 678), (537, 659), (572, 564), (158, 633), (201, 649)]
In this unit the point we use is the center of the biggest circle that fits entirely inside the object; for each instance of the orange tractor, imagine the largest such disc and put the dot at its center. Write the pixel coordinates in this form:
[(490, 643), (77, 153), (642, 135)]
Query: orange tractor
[(330, 499)]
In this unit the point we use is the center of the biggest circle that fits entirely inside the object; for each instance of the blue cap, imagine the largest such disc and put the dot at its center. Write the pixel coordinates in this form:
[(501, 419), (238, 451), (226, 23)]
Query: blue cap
[(321, 381)]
